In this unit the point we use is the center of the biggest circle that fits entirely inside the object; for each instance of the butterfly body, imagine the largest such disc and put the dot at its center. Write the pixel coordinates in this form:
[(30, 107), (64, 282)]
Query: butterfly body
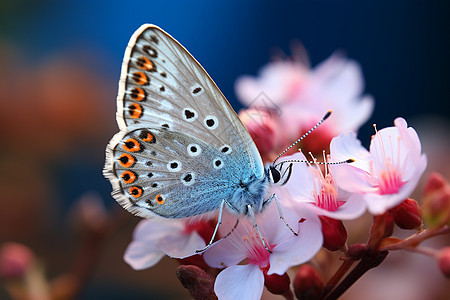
[(181, 150)]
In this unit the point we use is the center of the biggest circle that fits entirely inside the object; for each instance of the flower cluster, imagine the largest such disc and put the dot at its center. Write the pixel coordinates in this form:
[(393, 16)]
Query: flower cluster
[(285, 101)]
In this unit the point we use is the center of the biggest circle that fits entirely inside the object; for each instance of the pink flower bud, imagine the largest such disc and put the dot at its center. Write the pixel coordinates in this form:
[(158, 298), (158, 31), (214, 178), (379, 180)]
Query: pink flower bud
[(407, 215), (334, 233), (435, 182), (277, 284), (199, 283), (444, 261), (15, 260), (307, 283), (382, 227), (436, 205), (357, 251)]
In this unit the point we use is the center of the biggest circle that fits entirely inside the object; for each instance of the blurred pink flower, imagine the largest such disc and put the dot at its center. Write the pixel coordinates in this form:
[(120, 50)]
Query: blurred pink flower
[(153, 239), (302, 96), (387, 174), (15, 260), (247, 281), (319, 190)]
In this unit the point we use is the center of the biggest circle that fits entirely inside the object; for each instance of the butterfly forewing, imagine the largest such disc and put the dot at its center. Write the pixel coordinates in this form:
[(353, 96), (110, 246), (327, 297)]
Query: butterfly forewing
[(163, 91)]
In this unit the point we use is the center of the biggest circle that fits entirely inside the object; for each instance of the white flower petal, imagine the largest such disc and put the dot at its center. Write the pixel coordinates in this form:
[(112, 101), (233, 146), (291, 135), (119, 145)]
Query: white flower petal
[(353, 208), (225, 253), (239, 282), (181, 245), (141, 255), (298, 249)]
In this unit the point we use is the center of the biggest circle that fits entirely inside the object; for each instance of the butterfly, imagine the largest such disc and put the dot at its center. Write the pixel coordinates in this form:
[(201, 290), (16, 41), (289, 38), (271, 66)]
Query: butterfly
[(182, 151)]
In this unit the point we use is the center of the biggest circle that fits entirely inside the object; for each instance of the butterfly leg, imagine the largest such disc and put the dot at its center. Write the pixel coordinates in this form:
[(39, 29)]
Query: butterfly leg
[(255, 225), (280, 212), (219, 221)]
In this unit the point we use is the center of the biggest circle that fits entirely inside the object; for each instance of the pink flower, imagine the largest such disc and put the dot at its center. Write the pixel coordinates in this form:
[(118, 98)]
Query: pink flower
[(153, 239), (247, 281), (302, 96), (387, 174), (320, 191)]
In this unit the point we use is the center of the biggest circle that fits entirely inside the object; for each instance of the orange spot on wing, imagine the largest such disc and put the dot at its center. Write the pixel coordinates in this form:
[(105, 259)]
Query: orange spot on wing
[(136, 191), (159, 199), (126, 160), (138, 94), (148, 137), (144, 63), (128, 177), (135, 110), (140, 78), (131, 145)]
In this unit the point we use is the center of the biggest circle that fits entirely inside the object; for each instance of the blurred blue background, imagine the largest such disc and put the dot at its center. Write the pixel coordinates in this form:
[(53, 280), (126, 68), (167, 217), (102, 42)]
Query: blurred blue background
[(402, 46)]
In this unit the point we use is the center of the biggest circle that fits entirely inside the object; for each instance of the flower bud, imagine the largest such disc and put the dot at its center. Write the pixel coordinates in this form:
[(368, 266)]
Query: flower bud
[(435, 182), (334, 233), (382, 227), (436, 205), (15, 260), (199, 283), (307, 283), (357, 251), (277, 284), (444, 261), (407, 215)]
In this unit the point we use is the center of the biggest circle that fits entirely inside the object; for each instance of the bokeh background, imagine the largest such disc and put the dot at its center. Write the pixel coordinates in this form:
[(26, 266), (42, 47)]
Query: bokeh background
[(59, 68)]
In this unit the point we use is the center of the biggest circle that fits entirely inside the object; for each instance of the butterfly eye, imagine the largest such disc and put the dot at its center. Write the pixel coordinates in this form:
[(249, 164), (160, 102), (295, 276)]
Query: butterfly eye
[(128, 177), (159, 199), (194, 150), (211, 122), (126, 160), (144, 63), (138, 94), (136, 191), (274, 174), (131, 145)]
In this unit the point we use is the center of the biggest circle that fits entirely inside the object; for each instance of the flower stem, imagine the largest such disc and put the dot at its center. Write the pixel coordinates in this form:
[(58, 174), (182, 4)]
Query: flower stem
[(369, 261)]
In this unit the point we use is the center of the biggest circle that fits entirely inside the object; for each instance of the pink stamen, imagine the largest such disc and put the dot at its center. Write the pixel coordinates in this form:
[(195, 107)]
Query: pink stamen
[(325, 190)]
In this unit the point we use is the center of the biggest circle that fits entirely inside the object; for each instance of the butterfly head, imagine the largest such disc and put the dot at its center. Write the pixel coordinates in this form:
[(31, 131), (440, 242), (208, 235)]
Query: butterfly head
[(279, 173)]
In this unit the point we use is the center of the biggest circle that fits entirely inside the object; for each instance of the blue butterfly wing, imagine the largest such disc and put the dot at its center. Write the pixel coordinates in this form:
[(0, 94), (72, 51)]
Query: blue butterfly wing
[(165, 92)]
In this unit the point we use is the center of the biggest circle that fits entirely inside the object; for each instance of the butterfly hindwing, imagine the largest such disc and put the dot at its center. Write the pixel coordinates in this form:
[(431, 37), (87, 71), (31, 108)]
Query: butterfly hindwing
[(170, 174)]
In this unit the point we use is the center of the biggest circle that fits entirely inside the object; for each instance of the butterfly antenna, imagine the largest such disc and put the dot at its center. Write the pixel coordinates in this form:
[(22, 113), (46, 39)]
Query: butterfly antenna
[(348, 161), (305, 135)]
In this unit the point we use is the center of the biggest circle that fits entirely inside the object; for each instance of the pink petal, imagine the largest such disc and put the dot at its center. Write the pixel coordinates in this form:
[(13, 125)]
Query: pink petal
[(180, 245), (224, 253), (239, 282), (298, 249), (353, 208), (141, 255), (378, 204)]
